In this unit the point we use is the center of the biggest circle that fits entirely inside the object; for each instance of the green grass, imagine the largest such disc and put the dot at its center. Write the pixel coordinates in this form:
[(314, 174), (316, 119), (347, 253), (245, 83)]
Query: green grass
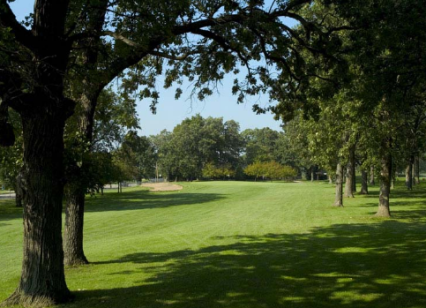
[(6, 192), (239, 244)]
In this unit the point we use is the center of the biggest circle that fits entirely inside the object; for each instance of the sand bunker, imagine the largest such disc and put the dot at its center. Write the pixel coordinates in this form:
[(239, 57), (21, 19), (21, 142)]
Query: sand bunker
[(162, 186)]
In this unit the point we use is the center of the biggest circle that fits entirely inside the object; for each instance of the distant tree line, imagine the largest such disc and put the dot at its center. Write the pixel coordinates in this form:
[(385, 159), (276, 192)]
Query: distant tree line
[(209, 148)]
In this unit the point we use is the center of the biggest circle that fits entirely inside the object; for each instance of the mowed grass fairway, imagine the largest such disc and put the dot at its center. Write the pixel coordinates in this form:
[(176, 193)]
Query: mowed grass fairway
[(241, 244)]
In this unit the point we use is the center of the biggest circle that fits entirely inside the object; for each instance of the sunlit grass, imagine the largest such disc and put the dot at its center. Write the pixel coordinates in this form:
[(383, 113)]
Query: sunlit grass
[(239, 244)]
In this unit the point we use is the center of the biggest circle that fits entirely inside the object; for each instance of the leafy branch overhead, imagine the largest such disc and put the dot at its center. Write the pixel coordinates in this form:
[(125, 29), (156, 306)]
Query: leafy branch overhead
[(198, 40)]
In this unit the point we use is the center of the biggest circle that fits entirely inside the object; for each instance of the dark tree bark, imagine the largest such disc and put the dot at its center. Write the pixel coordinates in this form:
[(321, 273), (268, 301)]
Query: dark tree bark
[(18, 189), (385, 182), (18, 199), (74, 221), (364, 182), (75, 193), (44, 110), (354, 176), (42, 280), (393, 177), (339, 186), (372, 176)]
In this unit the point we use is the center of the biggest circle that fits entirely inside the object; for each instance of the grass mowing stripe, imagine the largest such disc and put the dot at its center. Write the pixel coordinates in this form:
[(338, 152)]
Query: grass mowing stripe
[(241, 244)]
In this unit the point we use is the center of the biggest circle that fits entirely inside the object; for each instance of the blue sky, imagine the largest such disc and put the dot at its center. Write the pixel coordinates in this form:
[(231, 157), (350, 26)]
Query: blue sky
[(171, 112)]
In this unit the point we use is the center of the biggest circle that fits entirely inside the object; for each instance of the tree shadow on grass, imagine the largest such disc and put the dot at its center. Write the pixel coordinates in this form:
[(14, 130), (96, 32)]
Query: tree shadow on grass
[(131, 200), (143, 199), (373, 265), (9, 211), (413, 198)]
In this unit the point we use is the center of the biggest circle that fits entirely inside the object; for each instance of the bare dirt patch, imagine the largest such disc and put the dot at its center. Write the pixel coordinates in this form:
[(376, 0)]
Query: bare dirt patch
[(162, 186)]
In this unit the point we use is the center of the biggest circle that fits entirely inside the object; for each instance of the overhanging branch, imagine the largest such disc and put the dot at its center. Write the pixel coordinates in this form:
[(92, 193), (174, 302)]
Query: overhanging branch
[(8, 20)]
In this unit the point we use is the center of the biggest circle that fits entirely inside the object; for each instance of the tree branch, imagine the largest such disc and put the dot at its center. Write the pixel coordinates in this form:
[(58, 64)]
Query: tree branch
[(8, 20)]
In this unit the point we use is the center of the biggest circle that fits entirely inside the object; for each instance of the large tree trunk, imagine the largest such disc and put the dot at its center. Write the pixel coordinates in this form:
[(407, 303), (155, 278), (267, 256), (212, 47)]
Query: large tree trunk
[(364, 182), (385, 182), (408, 177), (372, 176), (42, 280), (339, 186)]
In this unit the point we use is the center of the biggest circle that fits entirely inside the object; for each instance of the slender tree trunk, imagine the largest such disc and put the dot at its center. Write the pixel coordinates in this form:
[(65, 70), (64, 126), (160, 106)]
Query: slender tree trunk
[(77, 186), (42, 280), (417, 170), (385, 182), (92, 85), (393, 177), (312, 174), (348, 184), (18, 199), (408, 177), (372, 176), (353, 175), (413, 172), (18, 189), (339, 186), (349, 191), (74, 220), (330, 179), (364, 182)]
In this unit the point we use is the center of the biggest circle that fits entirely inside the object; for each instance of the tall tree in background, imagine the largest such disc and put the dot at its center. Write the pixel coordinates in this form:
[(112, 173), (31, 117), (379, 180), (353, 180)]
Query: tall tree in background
[(260, 144)]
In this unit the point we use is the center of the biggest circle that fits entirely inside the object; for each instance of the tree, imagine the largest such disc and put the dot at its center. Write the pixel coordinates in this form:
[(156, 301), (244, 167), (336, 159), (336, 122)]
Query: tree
[(260, 144), (79, 41), (271, 170), (196, 142), (136, 157), (381, 71), (165, 153), (109, 123), (255, 169), (211, 171), (388, 54), (296, 151)]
